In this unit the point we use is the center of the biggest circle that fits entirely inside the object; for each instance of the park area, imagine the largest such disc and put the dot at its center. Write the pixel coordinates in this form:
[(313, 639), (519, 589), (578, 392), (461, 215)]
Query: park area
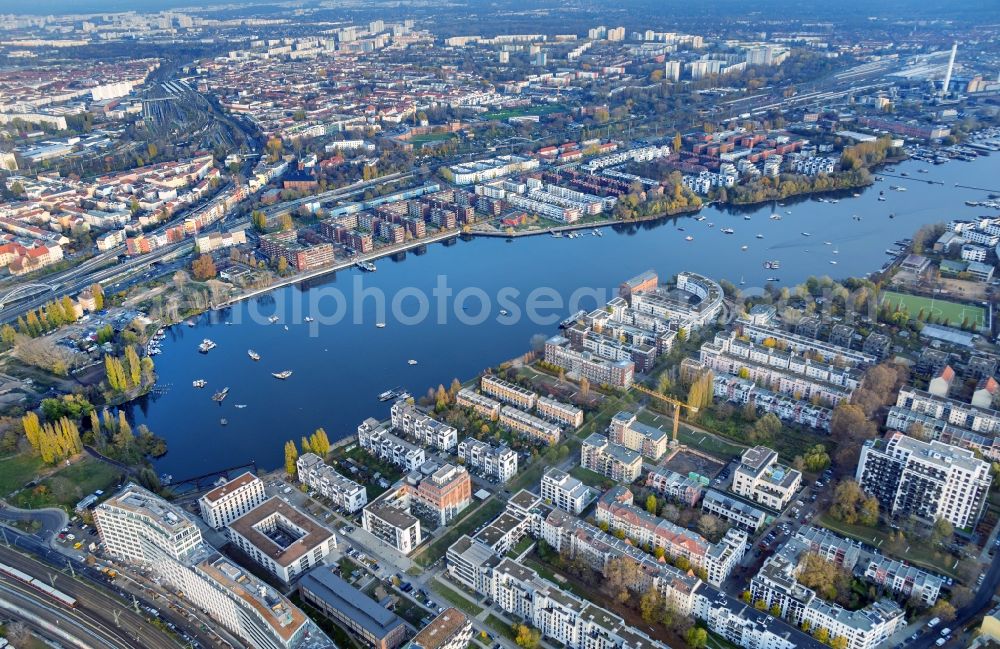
[(521, 111), (953, 314)]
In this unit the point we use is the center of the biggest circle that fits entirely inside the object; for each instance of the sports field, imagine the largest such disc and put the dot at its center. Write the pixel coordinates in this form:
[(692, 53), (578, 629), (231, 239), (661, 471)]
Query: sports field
[(954, 312)]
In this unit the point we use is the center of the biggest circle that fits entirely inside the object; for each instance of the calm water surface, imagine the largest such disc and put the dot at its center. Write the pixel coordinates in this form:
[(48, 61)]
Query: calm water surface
[(339, 369)]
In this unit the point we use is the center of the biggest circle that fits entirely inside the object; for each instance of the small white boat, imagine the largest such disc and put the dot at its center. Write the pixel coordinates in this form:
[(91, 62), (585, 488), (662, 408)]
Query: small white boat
[(827, 243), (411, 362), (689, 238), (833, 261), (308, 319), (727, 231), (504, 312), (253, 355), (206, 346), (282, 375), (806, 234), (241, 406), (286, 327), (380, 325), (199, 383), (760, 236), (744, 247), (273, 319)]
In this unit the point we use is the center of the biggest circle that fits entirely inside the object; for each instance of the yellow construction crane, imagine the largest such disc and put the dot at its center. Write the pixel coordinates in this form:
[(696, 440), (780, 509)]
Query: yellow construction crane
[(674, 402)]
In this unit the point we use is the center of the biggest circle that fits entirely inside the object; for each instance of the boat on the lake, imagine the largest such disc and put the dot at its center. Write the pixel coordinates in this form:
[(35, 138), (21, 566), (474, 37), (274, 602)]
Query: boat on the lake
[(273, 319), (199, 383), (411, 362), (284, 374), (253, 355), (206, 346), (221, 394), (727, 231), (689, 238)]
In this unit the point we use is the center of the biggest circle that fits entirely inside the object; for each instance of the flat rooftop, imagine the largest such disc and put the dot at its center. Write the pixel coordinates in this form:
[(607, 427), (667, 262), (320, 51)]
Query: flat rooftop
[(341, 596), (224, 490), (314, 533), (441, 629)]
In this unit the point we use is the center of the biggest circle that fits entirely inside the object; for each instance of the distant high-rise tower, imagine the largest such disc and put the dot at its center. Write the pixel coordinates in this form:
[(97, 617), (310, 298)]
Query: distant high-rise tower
[(951, 65)]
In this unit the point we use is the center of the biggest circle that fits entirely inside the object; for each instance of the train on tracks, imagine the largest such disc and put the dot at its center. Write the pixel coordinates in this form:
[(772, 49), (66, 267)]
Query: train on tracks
[(39, 585)]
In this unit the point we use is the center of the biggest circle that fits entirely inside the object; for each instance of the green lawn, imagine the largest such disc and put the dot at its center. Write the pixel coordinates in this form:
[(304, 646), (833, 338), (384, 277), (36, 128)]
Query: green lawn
[(500, 626), (546, 109), (954, 312), (457, 599), (588, 477), (916, 554), (16, 470), (486, 512), (521, 546), (67, 486), (417, 140)]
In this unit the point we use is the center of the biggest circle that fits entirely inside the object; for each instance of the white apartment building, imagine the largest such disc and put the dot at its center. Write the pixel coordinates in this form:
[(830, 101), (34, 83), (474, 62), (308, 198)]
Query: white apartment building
[(627, 430), (929, 480), (225, 503), (497, 463), (282, 539), (613, 461), (760, 478), (388, 518), (564, 491), (138, 527), (377, 440), (345, 493), (422, 427)]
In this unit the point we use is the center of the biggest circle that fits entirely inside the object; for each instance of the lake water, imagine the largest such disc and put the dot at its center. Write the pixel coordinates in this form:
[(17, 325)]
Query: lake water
[(339, 369)]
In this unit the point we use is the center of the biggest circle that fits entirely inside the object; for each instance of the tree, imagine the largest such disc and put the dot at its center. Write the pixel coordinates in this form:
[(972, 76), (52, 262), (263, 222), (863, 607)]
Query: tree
[(320, 443), (203, 268), (152, 150), (259, 220), (850, 427), (584, 387), (286, 223), (696, 637), (134, 366), (944, 610), (282, 265), (649, 605), (291, 456), (306, 446), (853, 506), (678, 143), (651, 505), (942, 531), (527, 637), (98, 292)]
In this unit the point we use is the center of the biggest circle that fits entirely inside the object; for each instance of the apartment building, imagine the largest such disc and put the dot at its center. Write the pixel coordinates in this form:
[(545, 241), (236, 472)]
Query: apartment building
[(558, 614), (564, 491), (282, 539), (529, 425), (693, 302), (345, 493), (227, 502), (375, 438), (388, 518), (984, 421), (451, 629), (807, 376), (562, 413), (613, 461), (617, 509), (444, 493), (496, 463), (421, 427), (584, 364), (760, 478), (627, 430), (508, 393), (758, 333), (929, 480), (776, 584), (678, 488), (483, 405), (744, 391), (736, 512), (138, 527), (349, 607)]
